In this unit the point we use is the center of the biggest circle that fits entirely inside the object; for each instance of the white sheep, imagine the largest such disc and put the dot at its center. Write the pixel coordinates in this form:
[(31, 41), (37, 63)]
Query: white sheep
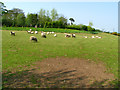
[(32, 32), (33, 38), (43, 34), (73, 35), (12, 33), (93, 36), (52, 32), (30, 29), (48, 32), (55, 35), (67, 35), (85, 36), (36, 32), (99, 37)]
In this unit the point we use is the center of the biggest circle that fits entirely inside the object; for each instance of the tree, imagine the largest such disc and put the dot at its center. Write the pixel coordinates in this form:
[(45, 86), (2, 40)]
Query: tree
[(54, 14), (7, 20), (13, 15), (42, 17), (84, 27), (2, 9), (90, 24), (48, 19), (89, 28), (72, 20), (21, 20), (31, 19)]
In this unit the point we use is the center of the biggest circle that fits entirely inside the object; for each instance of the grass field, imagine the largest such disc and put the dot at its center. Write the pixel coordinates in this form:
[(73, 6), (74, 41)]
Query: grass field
[(18, 52)]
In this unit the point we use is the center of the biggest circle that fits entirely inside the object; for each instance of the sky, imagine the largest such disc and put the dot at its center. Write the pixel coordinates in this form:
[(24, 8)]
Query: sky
[(103, 15)]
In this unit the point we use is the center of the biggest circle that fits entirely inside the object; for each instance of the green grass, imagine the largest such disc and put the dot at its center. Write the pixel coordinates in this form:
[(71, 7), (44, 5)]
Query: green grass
[(19, 51)]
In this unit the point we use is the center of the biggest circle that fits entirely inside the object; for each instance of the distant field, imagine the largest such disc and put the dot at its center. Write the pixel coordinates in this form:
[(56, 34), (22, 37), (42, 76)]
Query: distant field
[(46, 29), (18, 52)]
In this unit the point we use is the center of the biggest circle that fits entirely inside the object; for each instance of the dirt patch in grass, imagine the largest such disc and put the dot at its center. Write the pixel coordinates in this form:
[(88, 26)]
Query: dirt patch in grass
[(60, 73)]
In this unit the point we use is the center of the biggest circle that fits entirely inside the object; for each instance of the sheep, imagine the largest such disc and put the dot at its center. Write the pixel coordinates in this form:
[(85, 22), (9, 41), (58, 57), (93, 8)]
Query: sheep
[(32, 32), (33, 38), (29, 31), (99, 37), (85, 36), (12, 33), (93, 36), (52, 32), (43, 34), (36, 32), (55, 35), (48, 32), (68, 35), (73, 35)]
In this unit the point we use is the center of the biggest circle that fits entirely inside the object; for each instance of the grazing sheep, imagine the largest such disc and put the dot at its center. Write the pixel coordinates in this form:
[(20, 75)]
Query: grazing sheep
[(93, 36), (55, 35), (29, 31), (33, 38), (68, 35), (36, 32), (48, 32), (52, 32), (12, 33), (43, 34), (85, 36), (99, 37), (32, 32), (73, 35)]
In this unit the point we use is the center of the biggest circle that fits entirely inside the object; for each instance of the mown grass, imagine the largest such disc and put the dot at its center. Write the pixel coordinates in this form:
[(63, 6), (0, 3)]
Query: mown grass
[(18, 52)]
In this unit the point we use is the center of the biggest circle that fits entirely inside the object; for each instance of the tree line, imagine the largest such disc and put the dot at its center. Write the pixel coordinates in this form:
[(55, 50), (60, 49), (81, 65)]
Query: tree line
[(43, 19)]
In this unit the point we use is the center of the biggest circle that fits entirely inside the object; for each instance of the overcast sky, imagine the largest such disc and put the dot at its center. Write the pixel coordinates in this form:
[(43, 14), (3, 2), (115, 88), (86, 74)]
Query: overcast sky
[(104, 15)]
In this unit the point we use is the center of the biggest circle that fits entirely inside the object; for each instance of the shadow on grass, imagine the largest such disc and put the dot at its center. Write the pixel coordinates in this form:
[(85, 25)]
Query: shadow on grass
[(56, 79)]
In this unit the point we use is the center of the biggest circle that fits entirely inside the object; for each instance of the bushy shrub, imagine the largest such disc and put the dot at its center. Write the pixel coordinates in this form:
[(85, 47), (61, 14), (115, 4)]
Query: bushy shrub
[(118, 34), (114, 33)]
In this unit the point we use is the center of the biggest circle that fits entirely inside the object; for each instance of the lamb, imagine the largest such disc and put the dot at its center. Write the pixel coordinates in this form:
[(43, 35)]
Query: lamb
[(43, 34), (68, 35), (73, 35), (33, 38), (12, 33), (36, 32), (55, 35)]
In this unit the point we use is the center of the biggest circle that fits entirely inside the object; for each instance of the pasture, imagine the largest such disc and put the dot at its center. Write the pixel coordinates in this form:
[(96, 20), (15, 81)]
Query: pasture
[(20, 54)]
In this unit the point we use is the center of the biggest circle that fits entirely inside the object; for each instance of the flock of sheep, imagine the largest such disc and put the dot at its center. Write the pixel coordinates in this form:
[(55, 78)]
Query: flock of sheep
[(43, 34)]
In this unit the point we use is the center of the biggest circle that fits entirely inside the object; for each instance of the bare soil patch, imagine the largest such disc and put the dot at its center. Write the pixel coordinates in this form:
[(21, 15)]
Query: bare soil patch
[(62, 73)]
